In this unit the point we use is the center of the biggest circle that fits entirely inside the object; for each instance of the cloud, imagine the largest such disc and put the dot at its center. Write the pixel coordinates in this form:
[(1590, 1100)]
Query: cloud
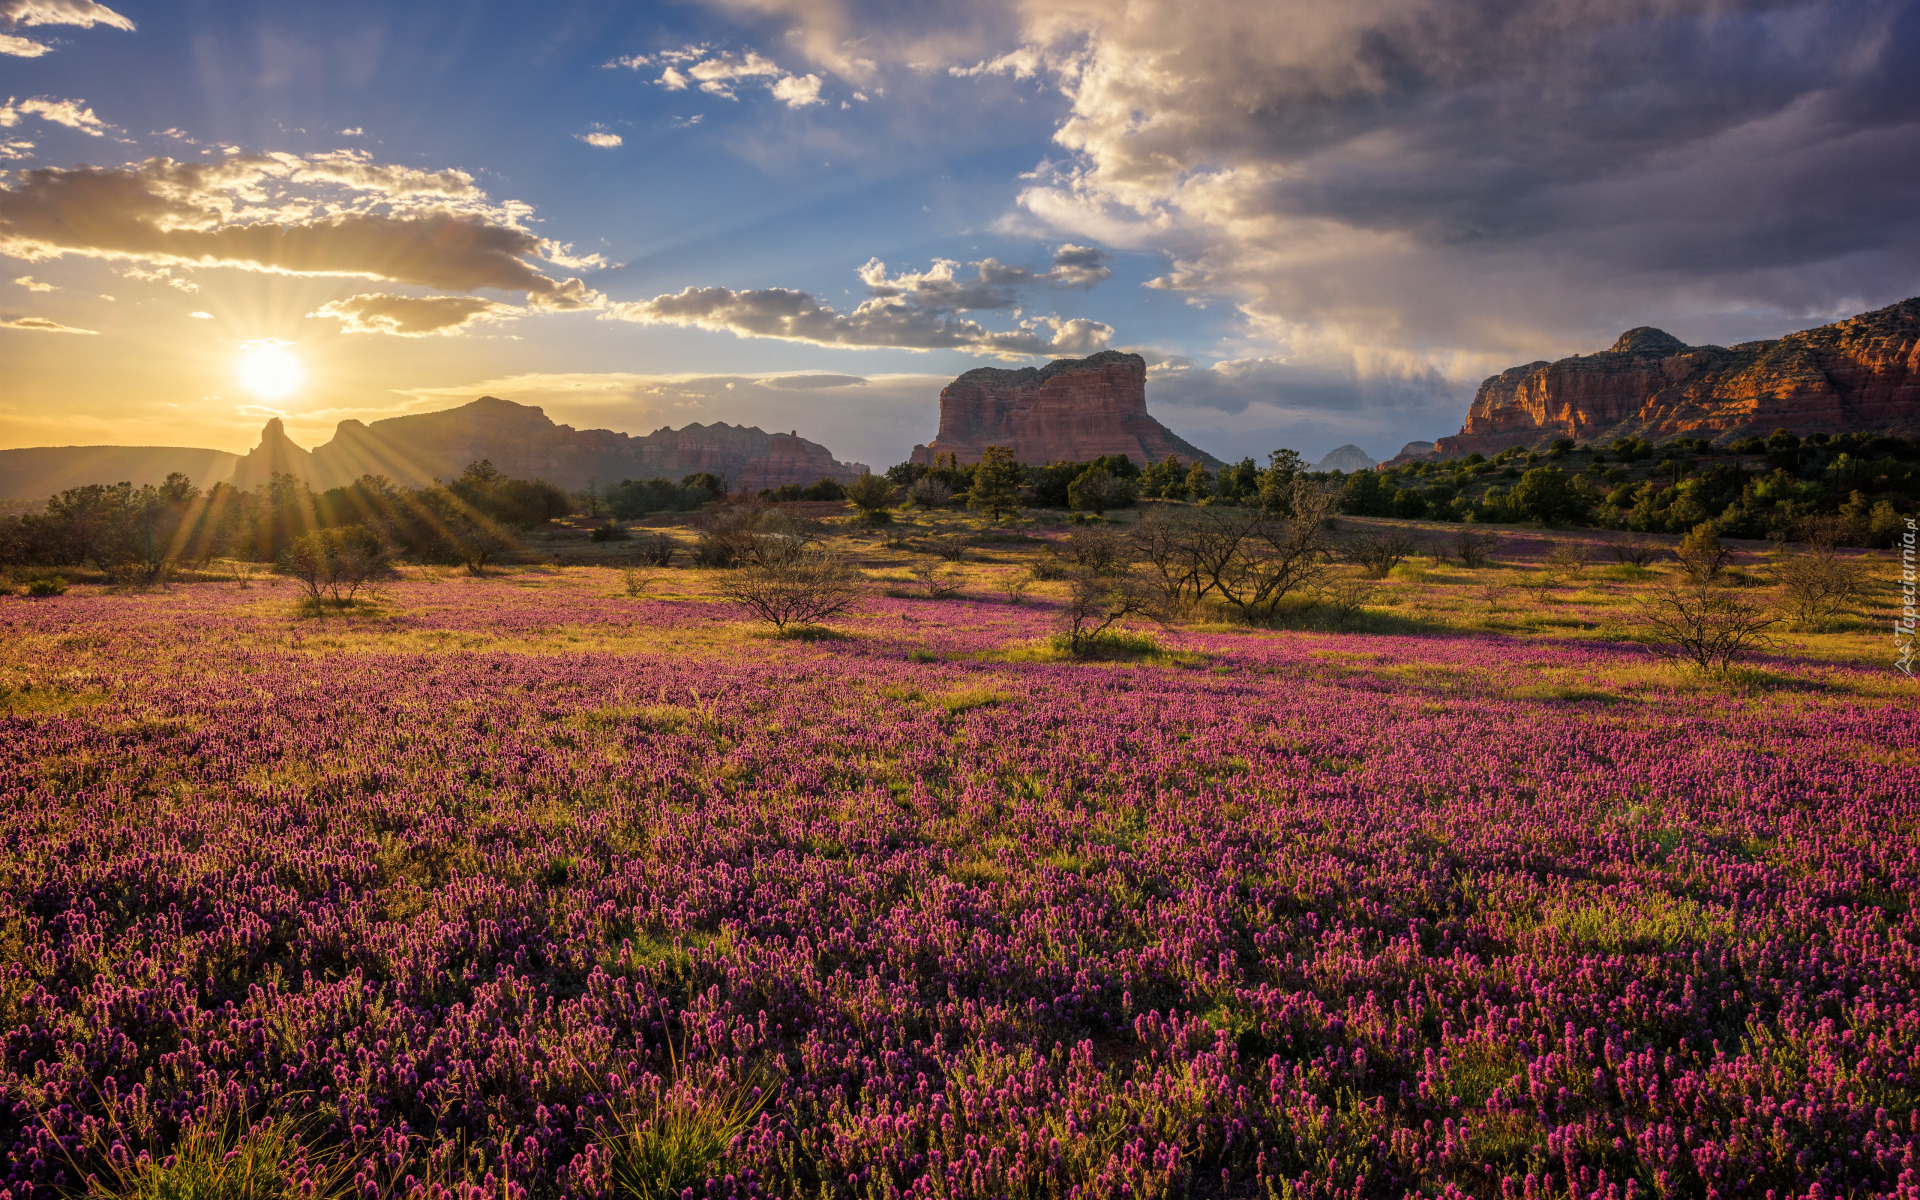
[(84, 13), (413, 316), (879, 322), (42, 325), (336, 214), (604, 140), (72, 113), (33, 285), (201, 316), (798, 91), (1477, 181), (21, 47), (15, 148), (719, 73), (160, 275), (809, 383), (994, 285), (355, 131)]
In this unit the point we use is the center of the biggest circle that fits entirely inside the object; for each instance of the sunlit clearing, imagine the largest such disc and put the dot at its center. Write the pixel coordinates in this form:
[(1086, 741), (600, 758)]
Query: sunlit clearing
[(269, 370)]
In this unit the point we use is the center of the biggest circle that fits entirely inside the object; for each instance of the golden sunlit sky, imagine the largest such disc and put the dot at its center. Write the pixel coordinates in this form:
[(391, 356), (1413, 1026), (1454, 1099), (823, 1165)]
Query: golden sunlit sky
[(1320, 222)]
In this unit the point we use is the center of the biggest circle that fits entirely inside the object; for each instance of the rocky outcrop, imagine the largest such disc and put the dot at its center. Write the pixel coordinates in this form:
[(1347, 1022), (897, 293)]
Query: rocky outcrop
[(275, 455), (1410, 453), (1348, 458), (525, 443), (1859, 374), (1072, 409)]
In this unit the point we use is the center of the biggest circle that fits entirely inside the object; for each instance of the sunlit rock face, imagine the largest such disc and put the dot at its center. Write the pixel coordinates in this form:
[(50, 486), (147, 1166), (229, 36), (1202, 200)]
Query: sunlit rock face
[(1859, 374), (522, 441), (1072, 409)]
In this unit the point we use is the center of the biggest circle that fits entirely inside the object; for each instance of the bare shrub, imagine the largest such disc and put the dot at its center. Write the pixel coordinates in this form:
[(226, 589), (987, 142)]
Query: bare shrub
[(1345, 596), (946, 546), (1701, 555), (754, 534), (1569, 558), (636, 580), (928, 492), (936, 579), (1705, 626), (1015, 587), (1095, 602), (799, 589), (1471, 548), (1818, 582), (335, 564), (656, 550), (1162, 542), (1097, 548), (1636, 552), (1378, 551)]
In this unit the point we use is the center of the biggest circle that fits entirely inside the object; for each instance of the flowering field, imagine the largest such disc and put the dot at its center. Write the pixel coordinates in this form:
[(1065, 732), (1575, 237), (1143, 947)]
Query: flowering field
[(504, 888)]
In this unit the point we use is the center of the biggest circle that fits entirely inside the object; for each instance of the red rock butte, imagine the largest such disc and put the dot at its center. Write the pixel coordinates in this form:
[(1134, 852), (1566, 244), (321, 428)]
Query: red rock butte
[(1072, 409), (1857, 375)]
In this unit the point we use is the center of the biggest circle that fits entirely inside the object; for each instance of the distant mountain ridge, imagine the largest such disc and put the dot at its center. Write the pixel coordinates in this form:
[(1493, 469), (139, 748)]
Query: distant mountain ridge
[(1348, 458), (37, 472), (1857, 375), (519, 439)]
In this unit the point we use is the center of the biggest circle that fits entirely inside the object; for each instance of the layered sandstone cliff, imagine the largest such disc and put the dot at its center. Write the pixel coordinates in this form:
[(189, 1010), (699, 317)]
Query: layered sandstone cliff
[(1859, 374), (1072, 409), (522, 441)]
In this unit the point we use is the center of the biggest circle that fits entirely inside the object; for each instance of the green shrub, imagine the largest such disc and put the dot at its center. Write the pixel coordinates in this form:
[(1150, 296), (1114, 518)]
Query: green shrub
[(52, 585), (612, 531)]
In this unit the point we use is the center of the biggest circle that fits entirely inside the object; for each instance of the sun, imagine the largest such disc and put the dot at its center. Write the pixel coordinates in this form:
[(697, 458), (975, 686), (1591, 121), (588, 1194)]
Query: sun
[(269, 369)]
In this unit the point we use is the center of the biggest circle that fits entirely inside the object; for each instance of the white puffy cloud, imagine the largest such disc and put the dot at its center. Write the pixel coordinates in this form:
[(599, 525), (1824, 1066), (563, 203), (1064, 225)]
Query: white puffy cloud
[(413, 316), (74, 114), (798, 91), (336, 214), (41, 325), (20, 47), (720, 73), (33, 285), (605, 141)]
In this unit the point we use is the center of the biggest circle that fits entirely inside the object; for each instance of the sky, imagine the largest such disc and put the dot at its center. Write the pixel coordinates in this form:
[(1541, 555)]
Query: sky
[(1320, 221)]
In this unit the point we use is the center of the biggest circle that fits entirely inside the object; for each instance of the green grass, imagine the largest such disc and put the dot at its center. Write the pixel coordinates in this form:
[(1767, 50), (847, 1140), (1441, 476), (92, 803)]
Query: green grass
[(267, 1161)]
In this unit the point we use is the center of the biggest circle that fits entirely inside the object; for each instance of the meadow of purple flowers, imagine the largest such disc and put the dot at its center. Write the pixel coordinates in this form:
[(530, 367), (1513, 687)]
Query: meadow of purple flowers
[(468, 889)]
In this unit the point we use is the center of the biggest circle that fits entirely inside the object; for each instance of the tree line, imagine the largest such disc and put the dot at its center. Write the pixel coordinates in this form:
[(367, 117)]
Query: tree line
[(139, 535)]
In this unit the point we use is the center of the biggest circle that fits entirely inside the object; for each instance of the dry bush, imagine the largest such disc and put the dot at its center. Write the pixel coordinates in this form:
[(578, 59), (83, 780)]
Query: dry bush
[(796, 589), (1097, 548), (336, 564), (635, 580), (946, 546), (1015, 586), (1706, 626), (928, 492), (1095, 602), (1636, 552), (1569, 558), (1471, 548), (937, 580), (1251, 558), (1701, 555), (1379, 551), (655, 550), (1344, 596), (1818, 582)]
